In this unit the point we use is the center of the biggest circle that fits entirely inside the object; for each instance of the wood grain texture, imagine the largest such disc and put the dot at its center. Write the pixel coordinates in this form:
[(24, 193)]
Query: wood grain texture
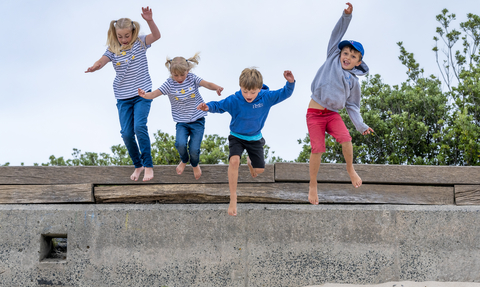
[(376, 173), (121, 175), (77, 193), (274, 193), (467, 194)]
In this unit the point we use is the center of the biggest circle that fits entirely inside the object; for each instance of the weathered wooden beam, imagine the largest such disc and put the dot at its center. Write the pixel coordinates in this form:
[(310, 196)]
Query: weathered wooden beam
[(385, 174), (274, 193), (467, 194), (77, 193), (121, 174)]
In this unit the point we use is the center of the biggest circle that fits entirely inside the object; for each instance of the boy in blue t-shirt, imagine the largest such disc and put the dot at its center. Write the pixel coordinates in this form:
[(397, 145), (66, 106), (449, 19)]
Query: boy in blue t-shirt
[(249, 109)]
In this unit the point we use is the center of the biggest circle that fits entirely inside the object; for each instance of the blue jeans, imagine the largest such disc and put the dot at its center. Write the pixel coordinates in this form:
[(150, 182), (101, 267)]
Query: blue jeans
[(194, 130), (133, 115)]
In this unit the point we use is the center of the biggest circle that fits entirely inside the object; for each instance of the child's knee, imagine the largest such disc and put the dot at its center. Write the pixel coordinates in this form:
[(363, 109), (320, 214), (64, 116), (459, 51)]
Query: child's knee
[(140, 129), (180, 144), (127, 134), (259, 170), (234, 160)]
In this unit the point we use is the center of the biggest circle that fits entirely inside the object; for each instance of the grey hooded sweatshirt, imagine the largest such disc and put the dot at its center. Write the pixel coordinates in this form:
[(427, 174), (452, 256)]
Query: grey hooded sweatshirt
[(335, 88)]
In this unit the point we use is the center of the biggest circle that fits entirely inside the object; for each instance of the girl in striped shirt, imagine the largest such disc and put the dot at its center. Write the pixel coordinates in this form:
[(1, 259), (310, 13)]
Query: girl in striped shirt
[(127, 52), (182, 91)]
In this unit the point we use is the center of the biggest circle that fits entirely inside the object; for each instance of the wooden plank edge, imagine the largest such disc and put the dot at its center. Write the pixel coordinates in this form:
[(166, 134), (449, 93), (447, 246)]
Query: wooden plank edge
[(40, 194)]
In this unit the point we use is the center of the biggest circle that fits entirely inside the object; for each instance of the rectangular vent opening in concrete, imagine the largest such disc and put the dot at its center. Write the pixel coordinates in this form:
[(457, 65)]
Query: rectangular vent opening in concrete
[(53, 248)]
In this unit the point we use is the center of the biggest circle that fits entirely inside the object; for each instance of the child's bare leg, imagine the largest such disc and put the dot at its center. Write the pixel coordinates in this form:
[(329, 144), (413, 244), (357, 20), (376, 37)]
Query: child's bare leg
[(197, 171), (180, 167), (314, 166), (347, 150), (136, 174), (254, 171), (233, 165), (148, 175)]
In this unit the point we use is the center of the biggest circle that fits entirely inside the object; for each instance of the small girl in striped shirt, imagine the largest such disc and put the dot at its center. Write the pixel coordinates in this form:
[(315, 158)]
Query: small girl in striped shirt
[(127, 52), (182, 91)]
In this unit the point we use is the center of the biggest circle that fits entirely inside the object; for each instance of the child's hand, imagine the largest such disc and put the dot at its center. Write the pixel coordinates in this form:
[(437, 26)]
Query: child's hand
[(93, 68), (349, 10), (203, 107), (289, 76), (219, 91), (141, 93), (147, 14), (368, 131)]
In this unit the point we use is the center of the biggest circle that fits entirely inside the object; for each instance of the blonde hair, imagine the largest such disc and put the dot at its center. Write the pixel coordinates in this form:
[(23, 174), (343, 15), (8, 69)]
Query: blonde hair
[(123, 23), (180, 65), (251, 79)]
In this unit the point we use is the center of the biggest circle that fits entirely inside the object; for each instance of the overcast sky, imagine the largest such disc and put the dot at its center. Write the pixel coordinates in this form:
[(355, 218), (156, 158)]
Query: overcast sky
[(50, 106)]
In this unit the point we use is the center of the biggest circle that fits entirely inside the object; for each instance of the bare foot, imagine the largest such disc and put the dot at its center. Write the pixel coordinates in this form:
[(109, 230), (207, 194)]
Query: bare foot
[(180, 167), (148, 175), (136, 174), (252, 170), (232, 208), (197, 172), (356, 180), (313, 194)]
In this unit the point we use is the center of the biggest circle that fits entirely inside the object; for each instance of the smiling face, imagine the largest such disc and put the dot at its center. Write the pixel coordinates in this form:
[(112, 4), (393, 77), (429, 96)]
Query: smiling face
[(250, 95), (124, 36), (178, 77), (350, 58)]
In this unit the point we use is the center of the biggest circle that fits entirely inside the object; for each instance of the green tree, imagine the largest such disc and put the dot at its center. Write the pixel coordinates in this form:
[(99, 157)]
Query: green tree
[(214, 150)]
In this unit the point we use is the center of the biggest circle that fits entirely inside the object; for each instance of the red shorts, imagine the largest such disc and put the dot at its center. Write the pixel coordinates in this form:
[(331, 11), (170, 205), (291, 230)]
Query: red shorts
[(321, 121)]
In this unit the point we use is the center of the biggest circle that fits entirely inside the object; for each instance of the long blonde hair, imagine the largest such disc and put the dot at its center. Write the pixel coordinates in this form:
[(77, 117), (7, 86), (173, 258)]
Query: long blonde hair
[(180, 65), (123, 23)]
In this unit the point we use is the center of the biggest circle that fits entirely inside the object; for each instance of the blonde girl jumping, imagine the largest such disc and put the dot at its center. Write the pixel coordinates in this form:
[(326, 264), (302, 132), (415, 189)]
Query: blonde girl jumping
[(182, 91), (127, 52)]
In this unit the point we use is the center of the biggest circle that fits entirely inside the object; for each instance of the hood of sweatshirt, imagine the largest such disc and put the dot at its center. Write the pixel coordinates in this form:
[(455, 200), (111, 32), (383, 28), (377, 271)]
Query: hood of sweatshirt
[(361, 70)]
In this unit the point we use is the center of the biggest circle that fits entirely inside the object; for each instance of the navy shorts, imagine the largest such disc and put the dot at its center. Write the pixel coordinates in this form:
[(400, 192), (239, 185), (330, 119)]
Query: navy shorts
[(254, 150)]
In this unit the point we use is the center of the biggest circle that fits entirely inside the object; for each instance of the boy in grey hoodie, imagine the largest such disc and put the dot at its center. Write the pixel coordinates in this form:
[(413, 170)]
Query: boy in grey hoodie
[(335, 87)]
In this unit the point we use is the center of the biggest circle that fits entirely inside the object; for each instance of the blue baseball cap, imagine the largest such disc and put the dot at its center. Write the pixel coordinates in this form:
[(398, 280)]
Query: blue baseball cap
[(356, 45)]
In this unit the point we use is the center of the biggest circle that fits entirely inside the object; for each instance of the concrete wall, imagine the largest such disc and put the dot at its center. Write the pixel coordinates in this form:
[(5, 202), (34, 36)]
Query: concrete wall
[(265, 245)]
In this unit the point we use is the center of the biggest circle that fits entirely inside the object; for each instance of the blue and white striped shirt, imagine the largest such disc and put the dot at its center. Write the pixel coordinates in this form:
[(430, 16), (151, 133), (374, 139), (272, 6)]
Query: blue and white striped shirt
[(184, 98), (131, 67)]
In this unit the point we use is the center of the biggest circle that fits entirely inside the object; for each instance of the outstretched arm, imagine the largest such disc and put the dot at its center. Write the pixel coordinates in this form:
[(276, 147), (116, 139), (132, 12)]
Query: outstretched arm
[(150, 95), (155, 35), (211, 86), (98, 64)]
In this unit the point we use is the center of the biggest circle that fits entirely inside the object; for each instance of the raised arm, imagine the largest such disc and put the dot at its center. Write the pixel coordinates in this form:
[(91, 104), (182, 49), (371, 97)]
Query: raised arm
[(155, 35), (340, 29), (98, 64), (211, 86), (275, 97)]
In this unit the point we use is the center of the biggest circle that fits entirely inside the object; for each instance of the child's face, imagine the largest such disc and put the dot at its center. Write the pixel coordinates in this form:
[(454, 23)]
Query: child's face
[(124, 36), (349, 58), (250, 95), (179, 78)]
